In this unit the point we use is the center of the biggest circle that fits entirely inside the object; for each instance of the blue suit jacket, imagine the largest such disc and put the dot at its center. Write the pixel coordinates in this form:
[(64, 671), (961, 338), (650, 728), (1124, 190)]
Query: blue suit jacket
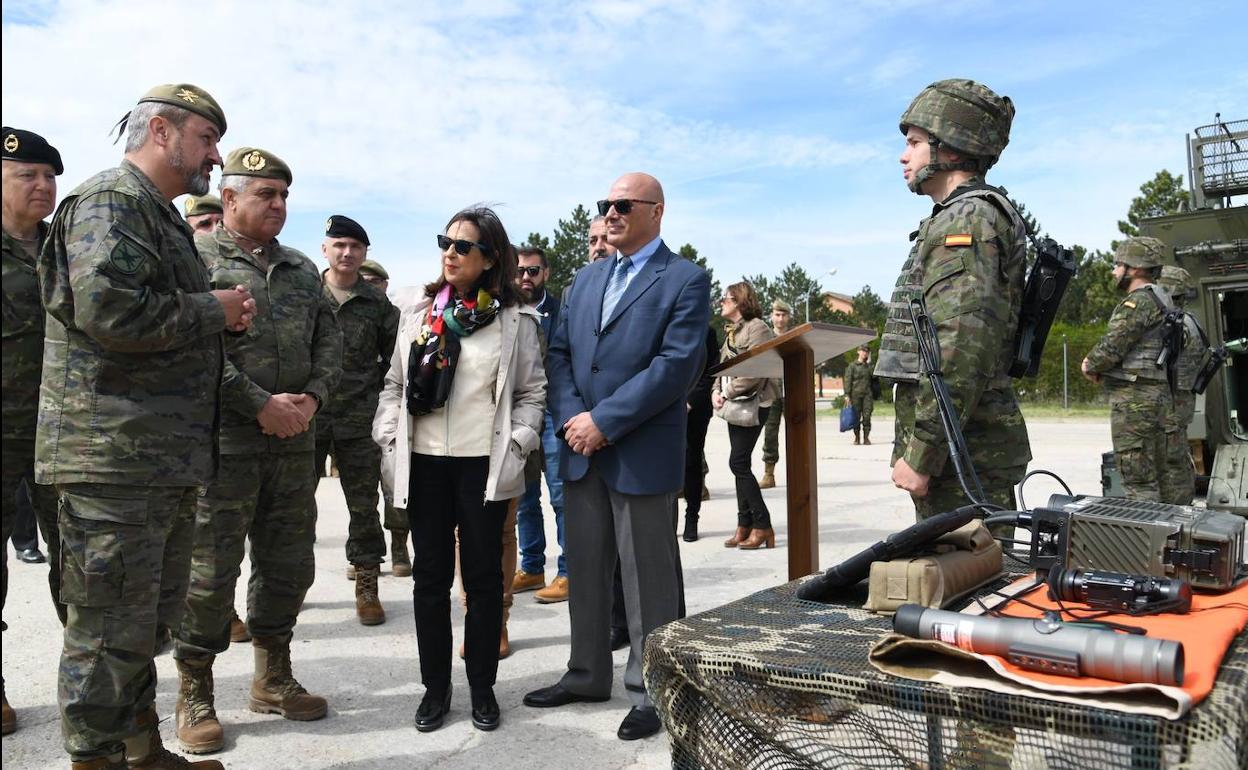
[(632, 371)]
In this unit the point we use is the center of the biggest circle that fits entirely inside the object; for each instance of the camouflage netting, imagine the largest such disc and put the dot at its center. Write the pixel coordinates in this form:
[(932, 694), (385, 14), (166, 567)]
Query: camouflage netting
[(772, 681)]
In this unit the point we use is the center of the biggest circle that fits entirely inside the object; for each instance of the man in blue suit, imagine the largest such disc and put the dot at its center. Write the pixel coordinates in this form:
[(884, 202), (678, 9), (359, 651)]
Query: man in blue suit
[(628, 346)]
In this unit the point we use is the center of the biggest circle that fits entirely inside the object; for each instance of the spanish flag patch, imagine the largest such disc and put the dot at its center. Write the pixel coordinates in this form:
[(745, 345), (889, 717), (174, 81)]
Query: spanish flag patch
[(962, 239)]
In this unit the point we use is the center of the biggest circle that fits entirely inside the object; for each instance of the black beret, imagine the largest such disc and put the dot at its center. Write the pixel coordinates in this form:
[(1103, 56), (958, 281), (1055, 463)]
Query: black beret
[(29, 147), (339, 226)]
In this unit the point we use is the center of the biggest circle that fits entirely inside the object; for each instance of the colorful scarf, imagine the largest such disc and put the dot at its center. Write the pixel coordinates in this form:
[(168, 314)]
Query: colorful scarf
[(435, 351)]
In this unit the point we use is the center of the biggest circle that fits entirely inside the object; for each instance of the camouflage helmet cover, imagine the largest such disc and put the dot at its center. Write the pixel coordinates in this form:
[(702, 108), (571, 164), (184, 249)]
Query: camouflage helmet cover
[(1178, 282), (965, 115), (1142, 251)]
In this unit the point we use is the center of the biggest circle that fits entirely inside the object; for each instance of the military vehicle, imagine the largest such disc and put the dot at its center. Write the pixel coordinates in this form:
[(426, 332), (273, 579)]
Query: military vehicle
[(1210, 241)]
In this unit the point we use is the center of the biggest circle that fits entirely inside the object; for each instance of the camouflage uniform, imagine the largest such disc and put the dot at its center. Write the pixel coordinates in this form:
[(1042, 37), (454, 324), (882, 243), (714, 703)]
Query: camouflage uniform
[(1178, 483), (266, 489), (858, 392), (370, 325), (128, 416), (23, 364), (1139, 396)]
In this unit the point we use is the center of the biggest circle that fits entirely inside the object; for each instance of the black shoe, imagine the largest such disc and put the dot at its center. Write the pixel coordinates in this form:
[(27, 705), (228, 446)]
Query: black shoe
[(640, 723), (691, 528), (484, 709), (432, 711), (31, 556), (555, 695), (619, 638)]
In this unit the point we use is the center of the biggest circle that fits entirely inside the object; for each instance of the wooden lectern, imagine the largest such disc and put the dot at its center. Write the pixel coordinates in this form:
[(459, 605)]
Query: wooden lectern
[(793, 356)]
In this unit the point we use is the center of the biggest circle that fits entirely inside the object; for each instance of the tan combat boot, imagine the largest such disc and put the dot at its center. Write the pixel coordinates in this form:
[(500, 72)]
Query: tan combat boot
[(238, 630), (101, 763), (769, 476), (400, 562), (10, 717), (274, 689), (144, 750), (367, 606), (198, 730)]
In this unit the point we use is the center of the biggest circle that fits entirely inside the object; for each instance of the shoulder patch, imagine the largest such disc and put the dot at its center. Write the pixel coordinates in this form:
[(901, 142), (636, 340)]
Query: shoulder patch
[(127, 257), (958, 239), (1129, 303)]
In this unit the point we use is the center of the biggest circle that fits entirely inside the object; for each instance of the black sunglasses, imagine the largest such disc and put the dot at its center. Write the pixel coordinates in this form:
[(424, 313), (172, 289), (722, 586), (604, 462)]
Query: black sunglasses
[(531, 271), (462, 247), (622, 206)]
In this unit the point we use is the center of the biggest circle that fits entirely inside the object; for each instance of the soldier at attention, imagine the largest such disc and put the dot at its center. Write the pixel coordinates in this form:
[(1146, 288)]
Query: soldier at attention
[(967, 262), (1178, 485), (127, 416), (858, 392), (276, 378), (1125, 362)]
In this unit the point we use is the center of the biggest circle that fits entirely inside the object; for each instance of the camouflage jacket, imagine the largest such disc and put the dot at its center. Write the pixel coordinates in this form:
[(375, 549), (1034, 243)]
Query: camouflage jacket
[(369, 326), (133, 355), (969, 260), (23, 340), (293, 345), (1129, 349), (858, 380)]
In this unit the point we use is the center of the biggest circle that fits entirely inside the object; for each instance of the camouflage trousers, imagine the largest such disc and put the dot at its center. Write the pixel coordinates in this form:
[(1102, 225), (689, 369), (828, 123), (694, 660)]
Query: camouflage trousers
[(944, 493), (1137, 424), (271, 500), (359, 472), (121, 547), (18, 464), (1178, 483), (862, 414), (771, 432)]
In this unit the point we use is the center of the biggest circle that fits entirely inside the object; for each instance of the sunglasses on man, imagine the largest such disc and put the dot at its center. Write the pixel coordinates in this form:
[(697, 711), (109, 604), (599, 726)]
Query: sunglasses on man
[(622, 206), (531, 270), (462, 247)]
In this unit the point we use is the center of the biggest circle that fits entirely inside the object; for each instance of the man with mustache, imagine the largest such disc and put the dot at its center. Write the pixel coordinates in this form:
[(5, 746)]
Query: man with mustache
[(128, 414)]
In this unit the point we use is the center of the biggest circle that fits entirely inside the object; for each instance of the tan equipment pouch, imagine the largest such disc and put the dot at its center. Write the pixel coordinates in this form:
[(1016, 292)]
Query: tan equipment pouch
[(960, 562)]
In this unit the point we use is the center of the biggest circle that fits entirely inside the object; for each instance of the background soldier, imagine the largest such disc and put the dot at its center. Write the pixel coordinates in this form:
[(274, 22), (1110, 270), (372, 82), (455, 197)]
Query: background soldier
[(128, 415), (781, 314), (203, 212), (30, 168), (275, 379), (1125, 361), (1179, 481), (858, 391), (374, 273), (968, 263), (369, 325)]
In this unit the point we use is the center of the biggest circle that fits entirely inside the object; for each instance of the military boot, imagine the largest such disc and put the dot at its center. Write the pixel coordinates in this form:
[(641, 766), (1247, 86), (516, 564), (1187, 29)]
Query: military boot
[(197, 729), (769, 476), (274, 689), (857, 438), (866, 437), (367, 606), (100, 763), (400, 563), (144, 750), (10, 717)]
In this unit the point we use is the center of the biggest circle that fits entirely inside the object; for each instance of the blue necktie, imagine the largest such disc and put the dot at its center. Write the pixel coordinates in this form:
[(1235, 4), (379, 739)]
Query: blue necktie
[(615, 288)]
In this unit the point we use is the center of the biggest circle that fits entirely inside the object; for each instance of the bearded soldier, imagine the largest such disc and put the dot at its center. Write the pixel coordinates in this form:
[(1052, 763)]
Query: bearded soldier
[(968, 263)]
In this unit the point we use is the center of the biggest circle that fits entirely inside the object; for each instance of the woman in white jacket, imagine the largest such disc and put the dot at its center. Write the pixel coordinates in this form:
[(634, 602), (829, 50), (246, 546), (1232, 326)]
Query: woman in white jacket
[(461, 409)]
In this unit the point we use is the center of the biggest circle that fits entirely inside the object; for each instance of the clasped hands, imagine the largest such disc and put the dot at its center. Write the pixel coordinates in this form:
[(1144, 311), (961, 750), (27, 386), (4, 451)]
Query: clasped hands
[(286, 414), (239, 306), (583, 435)]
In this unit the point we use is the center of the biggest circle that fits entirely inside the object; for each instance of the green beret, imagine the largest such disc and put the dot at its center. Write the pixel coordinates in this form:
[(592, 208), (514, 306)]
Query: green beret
[(782, 305), (339, 226), (1141, 252), (188, 97), (374, 267), (29, 147), (202, 204), (250, 161)]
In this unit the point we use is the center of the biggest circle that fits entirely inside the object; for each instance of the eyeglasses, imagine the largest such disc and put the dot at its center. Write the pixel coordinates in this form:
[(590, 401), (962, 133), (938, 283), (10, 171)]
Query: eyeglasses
[(531, 271), (622, 206), (462, 247)]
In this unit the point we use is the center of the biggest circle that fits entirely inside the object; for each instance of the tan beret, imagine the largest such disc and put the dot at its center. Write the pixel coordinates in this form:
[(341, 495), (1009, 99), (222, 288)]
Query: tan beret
[(188, 97), (202, 204), (252, 161)]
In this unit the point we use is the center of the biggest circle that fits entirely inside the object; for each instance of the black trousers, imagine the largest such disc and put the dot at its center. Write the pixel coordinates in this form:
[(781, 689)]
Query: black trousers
[(695, 444), (751, 510), (446, 493)]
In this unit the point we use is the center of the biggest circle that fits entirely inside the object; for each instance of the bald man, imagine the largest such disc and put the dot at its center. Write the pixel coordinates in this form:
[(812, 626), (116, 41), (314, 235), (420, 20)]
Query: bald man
[(628, 346)]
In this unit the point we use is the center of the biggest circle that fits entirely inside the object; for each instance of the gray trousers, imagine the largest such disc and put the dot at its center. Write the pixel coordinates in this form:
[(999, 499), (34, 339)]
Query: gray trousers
[(603, 528)]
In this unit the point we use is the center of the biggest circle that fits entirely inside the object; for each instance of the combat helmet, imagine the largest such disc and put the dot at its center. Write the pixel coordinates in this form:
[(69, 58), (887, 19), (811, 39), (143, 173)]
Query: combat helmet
[(1141, 251), (967, 117), (1178, 282)]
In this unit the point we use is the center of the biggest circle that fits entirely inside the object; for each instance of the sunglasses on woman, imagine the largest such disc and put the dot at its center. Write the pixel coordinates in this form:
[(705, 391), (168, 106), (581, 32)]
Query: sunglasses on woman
[(462, 247), (622, 206)]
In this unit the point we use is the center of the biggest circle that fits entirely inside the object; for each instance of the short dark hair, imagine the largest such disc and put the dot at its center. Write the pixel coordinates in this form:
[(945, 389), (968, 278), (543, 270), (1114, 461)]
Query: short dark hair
[(499, 280), (747, 300), (527, 251)]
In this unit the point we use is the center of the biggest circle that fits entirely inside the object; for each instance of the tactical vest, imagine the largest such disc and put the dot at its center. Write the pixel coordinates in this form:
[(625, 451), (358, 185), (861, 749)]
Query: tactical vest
[(1141, 362), (899, 349), (1195, 346)]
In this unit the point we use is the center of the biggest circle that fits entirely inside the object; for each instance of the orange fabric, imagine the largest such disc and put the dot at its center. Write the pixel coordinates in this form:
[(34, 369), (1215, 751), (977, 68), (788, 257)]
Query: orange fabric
[(1206, 632)]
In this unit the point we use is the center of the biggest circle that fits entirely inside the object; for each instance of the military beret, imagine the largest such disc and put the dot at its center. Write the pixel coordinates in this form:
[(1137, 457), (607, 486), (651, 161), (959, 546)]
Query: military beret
[(29, 147), (250, 161), (188, 97), (782, 305), (202, 204), (374, 267), (1143, 251), (339, 226)]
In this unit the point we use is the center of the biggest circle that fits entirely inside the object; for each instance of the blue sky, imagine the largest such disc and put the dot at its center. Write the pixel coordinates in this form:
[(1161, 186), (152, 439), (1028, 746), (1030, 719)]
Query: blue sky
[(773, 126)]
